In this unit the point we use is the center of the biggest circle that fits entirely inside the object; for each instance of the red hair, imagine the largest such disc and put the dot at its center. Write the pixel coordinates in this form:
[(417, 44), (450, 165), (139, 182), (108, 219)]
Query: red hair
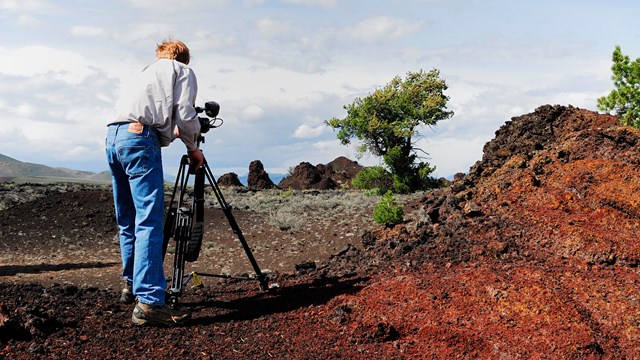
[(173, 50)]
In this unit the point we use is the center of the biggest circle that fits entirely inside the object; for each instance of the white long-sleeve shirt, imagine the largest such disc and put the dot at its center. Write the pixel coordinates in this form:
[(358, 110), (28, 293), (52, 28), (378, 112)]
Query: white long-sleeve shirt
[(162, 96)]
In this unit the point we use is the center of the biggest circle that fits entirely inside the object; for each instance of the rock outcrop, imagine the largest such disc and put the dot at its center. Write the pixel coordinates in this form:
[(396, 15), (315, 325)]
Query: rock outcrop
[(230, 180), (258, 178), (336, 174)]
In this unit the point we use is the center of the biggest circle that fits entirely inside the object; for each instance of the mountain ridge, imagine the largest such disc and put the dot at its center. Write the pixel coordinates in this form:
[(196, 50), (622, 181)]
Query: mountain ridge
[(11, 168), (21, 171)]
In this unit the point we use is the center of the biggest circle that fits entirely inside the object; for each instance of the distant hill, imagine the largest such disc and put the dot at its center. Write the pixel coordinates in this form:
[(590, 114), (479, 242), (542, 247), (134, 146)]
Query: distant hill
[(4, 158), (15, 170), (19, 171)]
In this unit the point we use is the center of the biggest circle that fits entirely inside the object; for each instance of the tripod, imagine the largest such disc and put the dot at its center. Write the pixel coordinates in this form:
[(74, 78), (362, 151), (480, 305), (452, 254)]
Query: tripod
[(185, 223)]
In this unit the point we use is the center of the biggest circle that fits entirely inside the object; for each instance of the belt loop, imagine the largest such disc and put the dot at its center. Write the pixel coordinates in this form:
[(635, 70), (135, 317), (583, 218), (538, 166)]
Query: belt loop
[(115, 133)]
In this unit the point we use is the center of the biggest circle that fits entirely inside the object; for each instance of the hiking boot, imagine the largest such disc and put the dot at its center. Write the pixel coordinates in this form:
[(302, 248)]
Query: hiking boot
[(148, 315), (127, 297)]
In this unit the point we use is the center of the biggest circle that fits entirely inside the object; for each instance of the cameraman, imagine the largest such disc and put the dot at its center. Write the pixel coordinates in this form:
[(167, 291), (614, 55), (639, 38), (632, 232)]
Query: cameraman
[(154, 108)]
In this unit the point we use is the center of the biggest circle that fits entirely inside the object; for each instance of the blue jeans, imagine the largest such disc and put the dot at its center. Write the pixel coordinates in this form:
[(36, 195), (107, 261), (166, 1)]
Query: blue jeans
[(135, 161)]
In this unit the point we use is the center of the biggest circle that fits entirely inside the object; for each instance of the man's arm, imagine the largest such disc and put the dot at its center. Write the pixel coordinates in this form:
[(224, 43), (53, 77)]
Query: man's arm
[(186, 118), (196, 159)]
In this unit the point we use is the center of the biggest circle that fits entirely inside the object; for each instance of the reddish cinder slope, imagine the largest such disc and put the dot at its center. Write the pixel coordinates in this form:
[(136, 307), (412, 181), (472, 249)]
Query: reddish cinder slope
[(534, 253)]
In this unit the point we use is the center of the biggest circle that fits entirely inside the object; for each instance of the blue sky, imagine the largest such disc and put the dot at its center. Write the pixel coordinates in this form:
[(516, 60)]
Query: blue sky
[(279, 68)]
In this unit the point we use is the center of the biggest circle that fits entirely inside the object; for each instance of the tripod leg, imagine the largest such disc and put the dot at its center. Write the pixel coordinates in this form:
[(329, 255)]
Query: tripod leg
[(170, 215), (177, 225), (182, 234), (227, 210), (194, 243), (169, 226)]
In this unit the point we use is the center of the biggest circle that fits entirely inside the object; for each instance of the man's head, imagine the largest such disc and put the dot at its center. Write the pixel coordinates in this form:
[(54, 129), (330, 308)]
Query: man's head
[(173, 50)]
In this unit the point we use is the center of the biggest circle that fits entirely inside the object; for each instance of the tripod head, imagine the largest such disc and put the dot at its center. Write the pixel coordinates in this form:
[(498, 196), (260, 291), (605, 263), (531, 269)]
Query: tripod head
[(211, 121)]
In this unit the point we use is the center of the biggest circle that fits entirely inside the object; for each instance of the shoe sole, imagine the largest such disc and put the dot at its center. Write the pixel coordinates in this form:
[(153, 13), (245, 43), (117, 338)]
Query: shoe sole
[(142, 323), (151, 322)]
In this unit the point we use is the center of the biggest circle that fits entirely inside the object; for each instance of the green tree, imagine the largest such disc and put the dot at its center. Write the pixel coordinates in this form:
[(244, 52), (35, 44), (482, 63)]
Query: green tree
[(625, 98), (387, 122)]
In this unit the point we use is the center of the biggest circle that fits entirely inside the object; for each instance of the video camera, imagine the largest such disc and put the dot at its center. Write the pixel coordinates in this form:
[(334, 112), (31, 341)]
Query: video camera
[(212, 121)]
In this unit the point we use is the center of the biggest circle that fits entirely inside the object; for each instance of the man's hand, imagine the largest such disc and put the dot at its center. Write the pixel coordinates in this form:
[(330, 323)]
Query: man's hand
[(196, 159)]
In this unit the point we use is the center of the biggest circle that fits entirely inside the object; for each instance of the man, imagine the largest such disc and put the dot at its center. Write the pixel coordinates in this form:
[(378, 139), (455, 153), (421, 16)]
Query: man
[(155, 108)]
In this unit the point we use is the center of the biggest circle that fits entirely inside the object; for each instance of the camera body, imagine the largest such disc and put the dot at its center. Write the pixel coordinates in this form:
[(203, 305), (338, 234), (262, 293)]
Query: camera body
[(211, 110)]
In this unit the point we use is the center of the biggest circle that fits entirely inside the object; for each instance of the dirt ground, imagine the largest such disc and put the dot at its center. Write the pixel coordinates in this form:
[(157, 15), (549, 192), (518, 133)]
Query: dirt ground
[(70, 237), (532, 254)]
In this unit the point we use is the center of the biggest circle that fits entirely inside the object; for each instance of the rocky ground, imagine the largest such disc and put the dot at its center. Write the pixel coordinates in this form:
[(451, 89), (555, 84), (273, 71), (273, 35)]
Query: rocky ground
[(532, 254)]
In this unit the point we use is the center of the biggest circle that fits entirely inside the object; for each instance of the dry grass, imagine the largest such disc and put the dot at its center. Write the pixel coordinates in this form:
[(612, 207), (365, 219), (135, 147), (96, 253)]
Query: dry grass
[(290, 210)]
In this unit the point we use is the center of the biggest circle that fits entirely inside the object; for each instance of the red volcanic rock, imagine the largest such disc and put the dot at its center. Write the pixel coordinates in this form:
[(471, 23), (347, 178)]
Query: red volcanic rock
[(229, 179), (306, 176), (336, 174), (258, 177), (343, 170)]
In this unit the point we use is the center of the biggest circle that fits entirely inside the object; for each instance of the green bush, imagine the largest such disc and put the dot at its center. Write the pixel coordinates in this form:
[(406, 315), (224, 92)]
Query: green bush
[(387, 212), (373, 178)]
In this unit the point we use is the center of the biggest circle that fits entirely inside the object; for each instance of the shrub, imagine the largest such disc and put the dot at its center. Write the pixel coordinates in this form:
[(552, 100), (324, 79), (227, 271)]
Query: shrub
[(286, 220), (387, 212), (373, 178)]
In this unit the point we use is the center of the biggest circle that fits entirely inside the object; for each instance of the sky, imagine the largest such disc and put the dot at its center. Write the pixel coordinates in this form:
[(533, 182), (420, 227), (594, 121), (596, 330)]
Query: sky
[(280, 68)]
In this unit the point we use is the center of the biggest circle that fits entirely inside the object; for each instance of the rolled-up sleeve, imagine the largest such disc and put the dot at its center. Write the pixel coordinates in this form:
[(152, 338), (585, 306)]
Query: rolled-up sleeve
[(185, 116)]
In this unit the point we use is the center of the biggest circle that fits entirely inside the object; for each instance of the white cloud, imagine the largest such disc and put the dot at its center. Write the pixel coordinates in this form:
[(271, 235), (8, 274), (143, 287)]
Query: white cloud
[(147, 32), (12, 136), (325, 145), (252, 112), (453, 154), (172, 7), (383, 28), (20, 110), (88, 31), (271, 27), (204, 41), (26, 21), (34, 60), (312, 127), (23, 110), (24, 5), (321, 3), (305, 131)]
